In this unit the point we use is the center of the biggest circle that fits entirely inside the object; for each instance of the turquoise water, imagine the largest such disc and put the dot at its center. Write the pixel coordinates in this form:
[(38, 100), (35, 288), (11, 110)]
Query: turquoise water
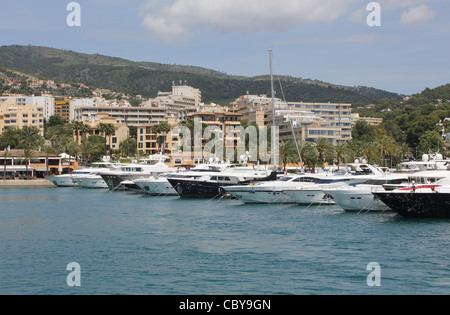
[(129, 244)]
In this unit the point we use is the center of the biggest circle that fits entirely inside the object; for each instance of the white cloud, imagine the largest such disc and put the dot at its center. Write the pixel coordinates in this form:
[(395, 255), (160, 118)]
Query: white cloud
[(419, 15), (182, 18), (360, 15)]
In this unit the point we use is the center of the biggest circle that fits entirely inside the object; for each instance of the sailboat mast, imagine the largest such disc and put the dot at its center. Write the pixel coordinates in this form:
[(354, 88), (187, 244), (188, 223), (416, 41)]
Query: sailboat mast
[(273, 112)]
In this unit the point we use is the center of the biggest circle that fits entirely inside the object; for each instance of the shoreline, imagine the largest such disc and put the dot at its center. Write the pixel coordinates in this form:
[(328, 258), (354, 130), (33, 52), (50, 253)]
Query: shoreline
[(26, 183)]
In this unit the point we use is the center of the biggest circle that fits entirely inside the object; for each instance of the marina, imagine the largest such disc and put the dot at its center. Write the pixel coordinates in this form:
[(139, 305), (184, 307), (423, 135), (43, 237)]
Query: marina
[(128, 243)]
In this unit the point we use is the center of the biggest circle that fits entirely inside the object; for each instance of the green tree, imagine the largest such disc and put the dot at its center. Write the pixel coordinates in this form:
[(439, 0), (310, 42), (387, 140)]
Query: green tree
[(48, 150), (162, 129), (76, 127), (11, 137), (31, 138), (28, 154), (6, 154), (128, 147), (288, 153), (386, 146), (340, 151), (431, 141), (370, 151), (108, 130), (324, 148), (87, 150)]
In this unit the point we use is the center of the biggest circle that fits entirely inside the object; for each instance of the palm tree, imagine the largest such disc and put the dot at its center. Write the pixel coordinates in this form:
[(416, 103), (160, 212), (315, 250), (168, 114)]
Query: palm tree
[(87, 148), (163, 128), (73, 149), (48, 150), (85, 129), (28, 154), (324, 148), (404, 151), (340, 151), (288, 153), (386, 146), (31, 137), (5, 155), (370, 150), (308, 153), (77, 126), (107, 130)]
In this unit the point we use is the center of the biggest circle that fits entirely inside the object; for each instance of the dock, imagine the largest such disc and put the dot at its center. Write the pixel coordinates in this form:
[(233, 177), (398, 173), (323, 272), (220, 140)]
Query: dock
[(26, 183)]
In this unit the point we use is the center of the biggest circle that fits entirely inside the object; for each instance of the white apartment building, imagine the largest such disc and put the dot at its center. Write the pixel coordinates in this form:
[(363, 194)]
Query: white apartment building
[(308, 121), (183, 99), (85, 102), (132, 116), (46, 101)]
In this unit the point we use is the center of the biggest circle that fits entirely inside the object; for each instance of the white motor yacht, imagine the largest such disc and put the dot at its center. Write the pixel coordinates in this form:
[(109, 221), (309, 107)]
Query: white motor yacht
[(270, 192), (132, 172), (210, 185), (355, 174), (156, 186), (160, 186), (71, 180), (360, 198)]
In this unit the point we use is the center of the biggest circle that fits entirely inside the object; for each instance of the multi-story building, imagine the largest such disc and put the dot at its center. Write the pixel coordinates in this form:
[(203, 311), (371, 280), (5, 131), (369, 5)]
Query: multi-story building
[(18, 116), (132, 116), (46, 101), (373, 121), (181, 101), (62, 109), (254, 108), (85, 102), (121, 133), (148, 140), (298, 120), (38, 166), (335, 121)]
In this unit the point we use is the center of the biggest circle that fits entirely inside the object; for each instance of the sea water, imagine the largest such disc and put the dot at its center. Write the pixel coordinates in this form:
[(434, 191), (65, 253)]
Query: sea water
[(130, 244)]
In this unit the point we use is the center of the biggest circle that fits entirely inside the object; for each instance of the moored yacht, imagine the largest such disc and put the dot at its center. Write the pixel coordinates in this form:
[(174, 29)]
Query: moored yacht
[(71, 180), (421, 201), (91, 181), (420, 178), (270, 192), (212, 185), (360, 198), (156, 186), (132, 172), (314, 193)]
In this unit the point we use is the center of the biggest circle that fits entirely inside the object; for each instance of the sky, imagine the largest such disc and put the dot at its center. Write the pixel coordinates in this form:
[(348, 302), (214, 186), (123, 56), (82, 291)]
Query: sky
[(401, 46)]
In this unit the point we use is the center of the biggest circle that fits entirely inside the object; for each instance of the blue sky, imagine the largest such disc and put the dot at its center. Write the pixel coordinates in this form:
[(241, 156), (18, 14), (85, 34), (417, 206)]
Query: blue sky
[(327, 40)]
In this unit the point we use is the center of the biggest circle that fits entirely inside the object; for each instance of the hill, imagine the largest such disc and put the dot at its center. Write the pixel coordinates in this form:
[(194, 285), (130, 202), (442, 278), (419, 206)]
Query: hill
[(147, 78)]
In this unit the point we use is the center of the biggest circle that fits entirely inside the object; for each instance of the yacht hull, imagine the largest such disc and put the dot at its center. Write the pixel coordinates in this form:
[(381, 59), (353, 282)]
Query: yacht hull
[(251, 195), (62, 181), (91, 182), (157, 188), (418, 205), (309, 197), (356, 201)]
